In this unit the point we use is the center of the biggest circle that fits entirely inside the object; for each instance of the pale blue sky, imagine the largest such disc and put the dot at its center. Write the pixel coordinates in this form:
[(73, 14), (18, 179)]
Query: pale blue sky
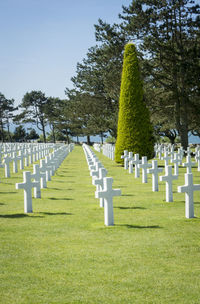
[(42, 41)]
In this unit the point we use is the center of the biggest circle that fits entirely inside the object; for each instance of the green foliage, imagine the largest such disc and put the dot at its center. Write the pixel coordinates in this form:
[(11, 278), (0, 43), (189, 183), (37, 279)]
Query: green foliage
[(6, 114), (32, 135), (33, 107), (110, 140), (134, 128), (19, 134)]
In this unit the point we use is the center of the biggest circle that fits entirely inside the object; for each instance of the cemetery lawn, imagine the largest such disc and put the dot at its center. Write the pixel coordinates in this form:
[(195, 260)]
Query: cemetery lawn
[(63, 253)]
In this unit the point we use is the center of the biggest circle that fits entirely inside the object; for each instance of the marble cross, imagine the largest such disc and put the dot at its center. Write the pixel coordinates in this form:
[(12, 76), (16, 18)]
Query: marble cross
[(37, 176), (125, 157), (189, 189), (21, 160), (14, 158), (27, 185), (197, 157), (144, 166), (107, 194), (168, 178), (188, 164), (136, 161), (166, 158), (154, 171), (98, 182), (6, 161), (176, 161), (130, 164)]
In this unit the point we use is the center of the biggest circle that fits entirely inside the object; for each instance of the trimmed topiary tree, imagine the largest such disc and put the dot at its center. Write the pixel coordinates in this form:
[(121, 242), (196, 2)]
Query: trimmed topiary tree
[(135, 132)]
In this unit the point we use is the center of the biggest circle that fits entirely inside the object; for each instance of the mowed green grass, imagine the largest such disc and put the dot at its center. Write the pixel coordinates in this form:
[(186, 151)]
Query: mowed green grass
[(63, 253)]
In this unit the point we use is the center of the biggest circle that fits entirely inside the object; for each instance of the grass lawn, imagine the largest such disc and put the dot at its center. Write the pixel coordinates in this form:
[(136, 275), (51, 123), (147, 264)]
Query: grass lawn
[(63, 253)]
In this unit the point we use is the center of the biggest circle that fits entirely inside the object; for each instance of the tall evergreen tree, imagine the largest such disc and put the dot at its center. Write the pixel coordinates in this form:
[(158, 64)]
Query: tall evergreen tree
[(168, 34), (134, 131)]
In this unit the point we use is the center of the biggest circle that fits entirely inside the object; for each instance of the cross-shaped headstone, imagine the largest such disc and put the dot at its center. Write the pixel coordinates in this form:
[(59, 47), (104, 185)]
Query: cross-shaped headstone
[(144, 166), (189, 189), (180, 154), (14, 158), (197, 157), (21, 160), (98, 182), (166, 158), (188, 164), (130, 164), (125, 157), (176, 161), (107, 194), (168, 178), (188, 151), (6, 161), (95, 172), (46, 169), (27, 185), (136, 161), (37, 176), (154, 171)]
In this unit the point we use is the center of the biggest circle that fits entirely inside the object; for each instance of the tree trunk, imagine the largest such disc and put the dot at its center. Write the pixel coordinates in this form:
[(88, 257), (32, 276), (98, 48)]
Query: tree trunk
[(8, 129), (88, 140), (53, 133), (101, 135), (2, 132), (44, 133)]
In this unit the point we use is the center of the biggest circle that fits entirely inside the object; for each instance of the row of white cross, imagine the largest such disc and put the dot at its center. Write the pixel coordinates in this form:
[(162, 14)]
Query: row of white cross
[(103, 185), (168, 178), (24, 153), (107, 149), (41, 174)]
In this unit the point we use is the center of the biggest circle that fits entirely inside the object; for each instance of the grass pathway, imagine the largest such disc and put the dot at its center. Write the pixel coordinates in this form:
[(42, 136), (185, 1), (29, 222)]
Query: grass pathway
[(62, 253)]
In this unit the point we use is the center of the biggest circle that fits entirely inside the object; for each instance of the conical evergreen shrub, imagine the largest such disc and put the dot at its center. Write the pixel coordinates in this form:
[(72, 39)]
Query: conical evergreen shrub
[(135, 132)]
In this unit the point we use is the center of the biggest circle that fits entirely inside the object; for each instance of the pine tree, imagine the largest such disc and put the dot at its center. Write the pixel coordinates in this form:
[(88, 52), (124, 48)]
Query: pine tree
[(134, 128)]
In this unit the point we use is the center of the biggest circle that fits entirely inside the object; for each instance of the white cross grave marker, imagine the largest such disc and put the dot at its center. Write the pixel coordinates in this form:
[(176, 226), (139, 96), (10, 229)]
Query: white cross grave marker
[(189, 189), (176, 161), (136, 161), (21, 160), (130, 164), (27, 185), (6, 161), (107, 193), (144, 165), (197, 157), (166, 158), (154, 171), (168, 178), (125, 157), (188, 164), (37, 176), (14, 158), (98, 182)]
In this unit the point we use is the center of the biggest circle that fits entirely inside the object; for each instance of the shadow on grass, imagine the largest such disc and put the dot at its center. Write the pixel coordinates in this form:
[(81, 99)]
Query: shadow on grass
[(130, 208), (7, 192), (19, 215), (140, 227), (128, 195), (55, 213), (61, 199), (1, 204)]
